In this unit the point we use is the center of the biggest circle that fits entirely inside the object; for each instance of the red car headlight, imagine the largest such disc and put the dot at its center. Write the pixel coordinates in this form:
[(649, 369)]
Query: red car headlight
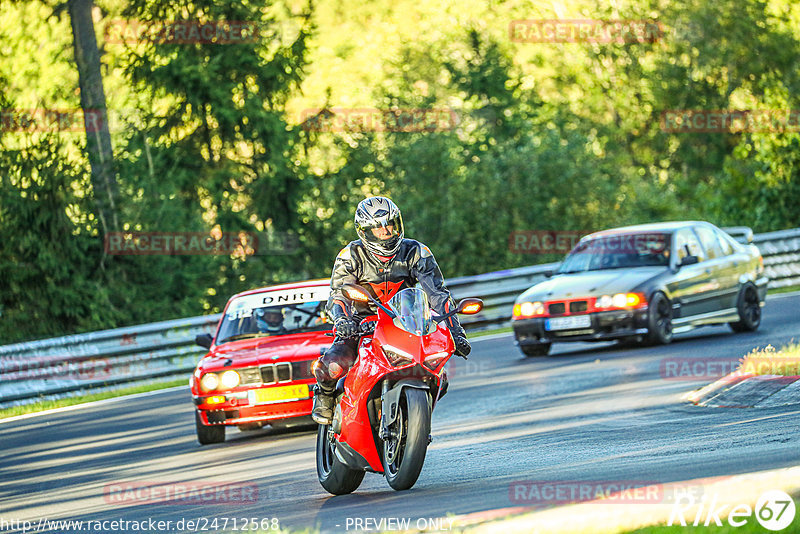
[(209, 382)]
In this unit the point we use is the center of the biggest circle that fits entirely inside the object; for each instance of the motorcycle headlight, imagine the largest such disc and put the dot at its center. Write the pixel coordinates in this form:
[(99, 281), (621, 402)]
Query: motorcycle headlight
[(209, 382), (230, 379), (432, 361), (396, 357)]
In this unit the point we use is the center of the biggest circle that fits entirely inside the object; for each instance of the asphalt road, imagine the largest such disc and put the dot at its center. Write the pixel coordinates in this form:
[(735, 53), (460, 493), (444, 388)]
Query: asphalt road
[(586, 413)]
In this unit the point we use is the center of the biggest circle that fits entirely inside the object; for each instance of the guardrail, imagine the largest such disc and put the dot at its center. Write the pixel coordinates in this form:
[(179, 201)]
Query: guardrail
[(53, 368)]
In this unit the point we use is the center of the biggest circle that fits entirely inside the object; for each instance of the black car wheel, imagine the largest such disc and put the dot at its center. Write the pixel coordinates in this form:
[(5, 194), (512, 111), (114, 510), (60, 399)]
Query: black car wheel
[(207, 435), (659, 320), (749, 311), (531, 351)]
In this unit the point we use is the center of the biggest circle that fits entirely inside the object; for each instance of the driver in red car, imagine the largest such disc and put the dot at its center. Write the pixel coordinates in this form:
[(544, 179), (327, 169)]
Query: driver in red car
[(383, 262)]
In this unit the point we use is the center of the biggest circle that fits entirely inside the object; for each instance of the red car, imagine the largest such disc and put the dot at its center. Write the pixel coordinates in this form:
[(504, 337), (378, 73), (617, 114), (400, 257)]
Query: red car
[(258, 366)]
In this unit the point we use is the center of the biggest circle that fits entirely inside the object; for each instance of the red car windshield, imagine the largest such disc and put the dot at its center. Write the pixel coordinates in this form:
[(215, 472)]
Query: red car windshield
[(242, 320), (618, 251)]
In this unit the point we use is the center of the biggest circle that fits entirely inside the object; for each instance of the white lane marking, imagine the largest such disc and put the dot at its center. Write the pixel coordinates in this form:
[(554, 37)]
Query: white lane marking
[(91, 404), (759, 419), (783, 295), (490, 337)]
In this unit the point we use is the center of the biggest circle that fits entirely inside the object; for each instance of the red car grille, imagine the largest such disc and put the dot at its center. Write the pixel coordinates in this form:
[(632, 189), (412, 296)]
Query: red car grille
[(250, 375), (556, 308), (302, 370), (277, 372)]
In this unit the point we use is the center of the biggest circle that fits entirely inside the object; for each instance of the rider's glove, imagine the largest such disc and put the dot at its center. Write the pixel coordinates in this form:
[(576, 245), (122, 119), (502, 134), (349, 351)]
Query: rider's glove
[(345, 327), (368, 327), (460, 340), (462, 345)]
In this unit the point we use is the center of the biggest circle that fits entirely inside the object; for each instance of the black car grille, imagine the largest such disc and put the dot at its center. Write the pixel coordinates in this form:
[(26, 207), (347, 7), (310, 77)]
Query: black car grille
[(556, 308), (578, 306)]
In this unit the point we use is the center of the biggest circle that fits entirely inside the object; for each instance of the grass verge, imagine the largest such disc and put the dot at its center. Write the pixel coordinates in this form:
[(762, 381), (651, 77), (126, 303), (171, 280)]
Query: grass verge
[(768, 361), (779, 290), (482, 333), (80, 399)]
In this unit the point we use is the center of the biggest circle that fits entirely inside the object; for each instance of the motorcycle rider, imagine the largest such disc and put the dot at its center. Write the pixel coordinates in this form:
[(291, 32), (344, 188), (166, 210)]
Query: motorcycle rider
[(383, 262)]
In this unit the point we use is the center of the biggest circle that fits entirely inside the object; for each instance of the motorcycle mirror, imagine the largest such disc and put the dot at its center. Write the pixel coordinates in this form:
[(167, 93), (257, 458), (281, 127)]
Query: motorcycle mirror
[(470, 306), (356, 292)]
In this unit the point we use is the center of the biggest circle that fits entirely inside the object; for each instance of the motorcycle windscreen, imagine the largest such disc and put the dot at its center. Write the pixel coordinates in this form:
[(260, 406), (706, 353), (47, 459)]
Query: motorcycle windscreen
[(413, 311)]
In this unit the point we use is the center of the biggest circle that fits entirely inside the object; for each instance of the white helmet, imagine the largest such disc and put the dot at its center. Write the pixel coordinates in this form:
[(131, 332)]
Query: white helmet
[(379, 225)]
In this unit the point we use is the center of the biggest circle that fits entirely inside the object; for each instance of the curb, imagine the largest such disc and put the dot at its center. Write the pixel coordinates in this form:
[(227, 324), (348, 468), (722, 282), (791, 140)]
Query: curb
[(737, 390)]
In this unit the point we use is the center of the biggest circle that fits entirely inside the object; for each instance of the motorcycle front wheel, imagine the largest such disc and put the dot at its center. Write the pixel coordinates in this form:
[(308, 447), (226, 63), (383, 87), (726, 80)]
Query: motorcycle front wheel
[(334, 476), (404, 452)]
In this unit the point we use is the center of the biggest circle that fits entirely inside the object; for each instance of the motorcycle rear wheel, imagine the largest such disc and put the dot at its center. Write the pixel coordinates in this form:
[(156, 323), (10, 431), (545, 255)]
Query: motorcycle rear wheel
[(334, 476), (404, 453)]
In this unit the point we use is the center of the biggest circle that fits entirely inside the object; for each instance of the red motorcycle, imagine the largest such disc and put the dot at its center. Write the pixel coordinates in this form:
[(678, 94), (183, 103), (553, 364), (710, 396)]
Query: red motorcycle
[(382, 419)]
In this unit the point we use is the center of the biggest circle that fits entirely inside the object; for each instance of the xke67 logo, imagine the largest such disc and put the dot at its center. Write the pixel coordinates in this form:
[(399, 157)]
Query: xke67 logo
[(774, 511)]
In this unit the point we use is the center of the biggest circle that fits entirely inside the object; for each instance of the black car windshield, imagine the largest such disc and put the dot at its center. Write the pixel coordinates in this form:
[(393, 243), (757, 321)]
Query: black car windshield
[(618, 251), (247, 318)]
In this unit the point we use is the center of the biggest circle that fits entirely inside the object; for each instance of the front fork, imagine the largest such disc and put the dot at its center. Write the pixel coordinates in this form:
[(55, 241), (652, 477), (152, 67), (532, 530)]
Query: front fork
[(390, 403), (387, 414)]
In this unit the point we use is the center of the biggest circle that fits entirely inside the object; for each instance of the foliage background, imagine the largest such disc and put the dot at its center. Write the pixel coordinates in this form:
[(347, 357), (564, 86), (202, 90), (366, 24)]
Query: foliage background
[(549, 136)]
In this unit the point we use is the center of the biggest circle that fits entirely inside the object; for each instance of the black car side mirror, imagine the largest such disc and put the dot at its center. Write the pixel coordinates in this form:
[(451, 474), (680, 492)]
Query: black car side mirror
[(204, 340), (689, 260)]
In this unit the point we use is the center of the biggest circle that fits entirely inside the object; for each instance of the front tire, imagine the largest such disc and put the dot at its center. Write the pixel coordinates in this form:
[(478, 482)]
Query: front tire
[(404, 453), (335, 477), (659, 320), (749, 311), (207, 435)]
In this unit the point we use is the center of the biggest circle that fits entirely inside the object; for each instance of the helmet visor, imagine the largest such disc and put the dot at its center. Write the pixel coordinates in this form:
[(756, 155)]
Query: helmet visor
[(383, 232)]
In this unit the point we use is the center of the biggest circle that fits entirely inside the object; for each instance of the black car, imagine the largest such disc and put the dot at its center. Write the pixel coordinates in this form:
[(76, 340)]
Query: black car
[(644, 282)]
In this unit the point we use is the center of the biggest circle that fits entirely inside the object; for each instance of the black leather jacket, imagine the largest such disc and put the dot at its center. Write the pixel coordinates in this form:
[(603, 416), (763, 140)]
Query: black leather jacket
[(413, 264)]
